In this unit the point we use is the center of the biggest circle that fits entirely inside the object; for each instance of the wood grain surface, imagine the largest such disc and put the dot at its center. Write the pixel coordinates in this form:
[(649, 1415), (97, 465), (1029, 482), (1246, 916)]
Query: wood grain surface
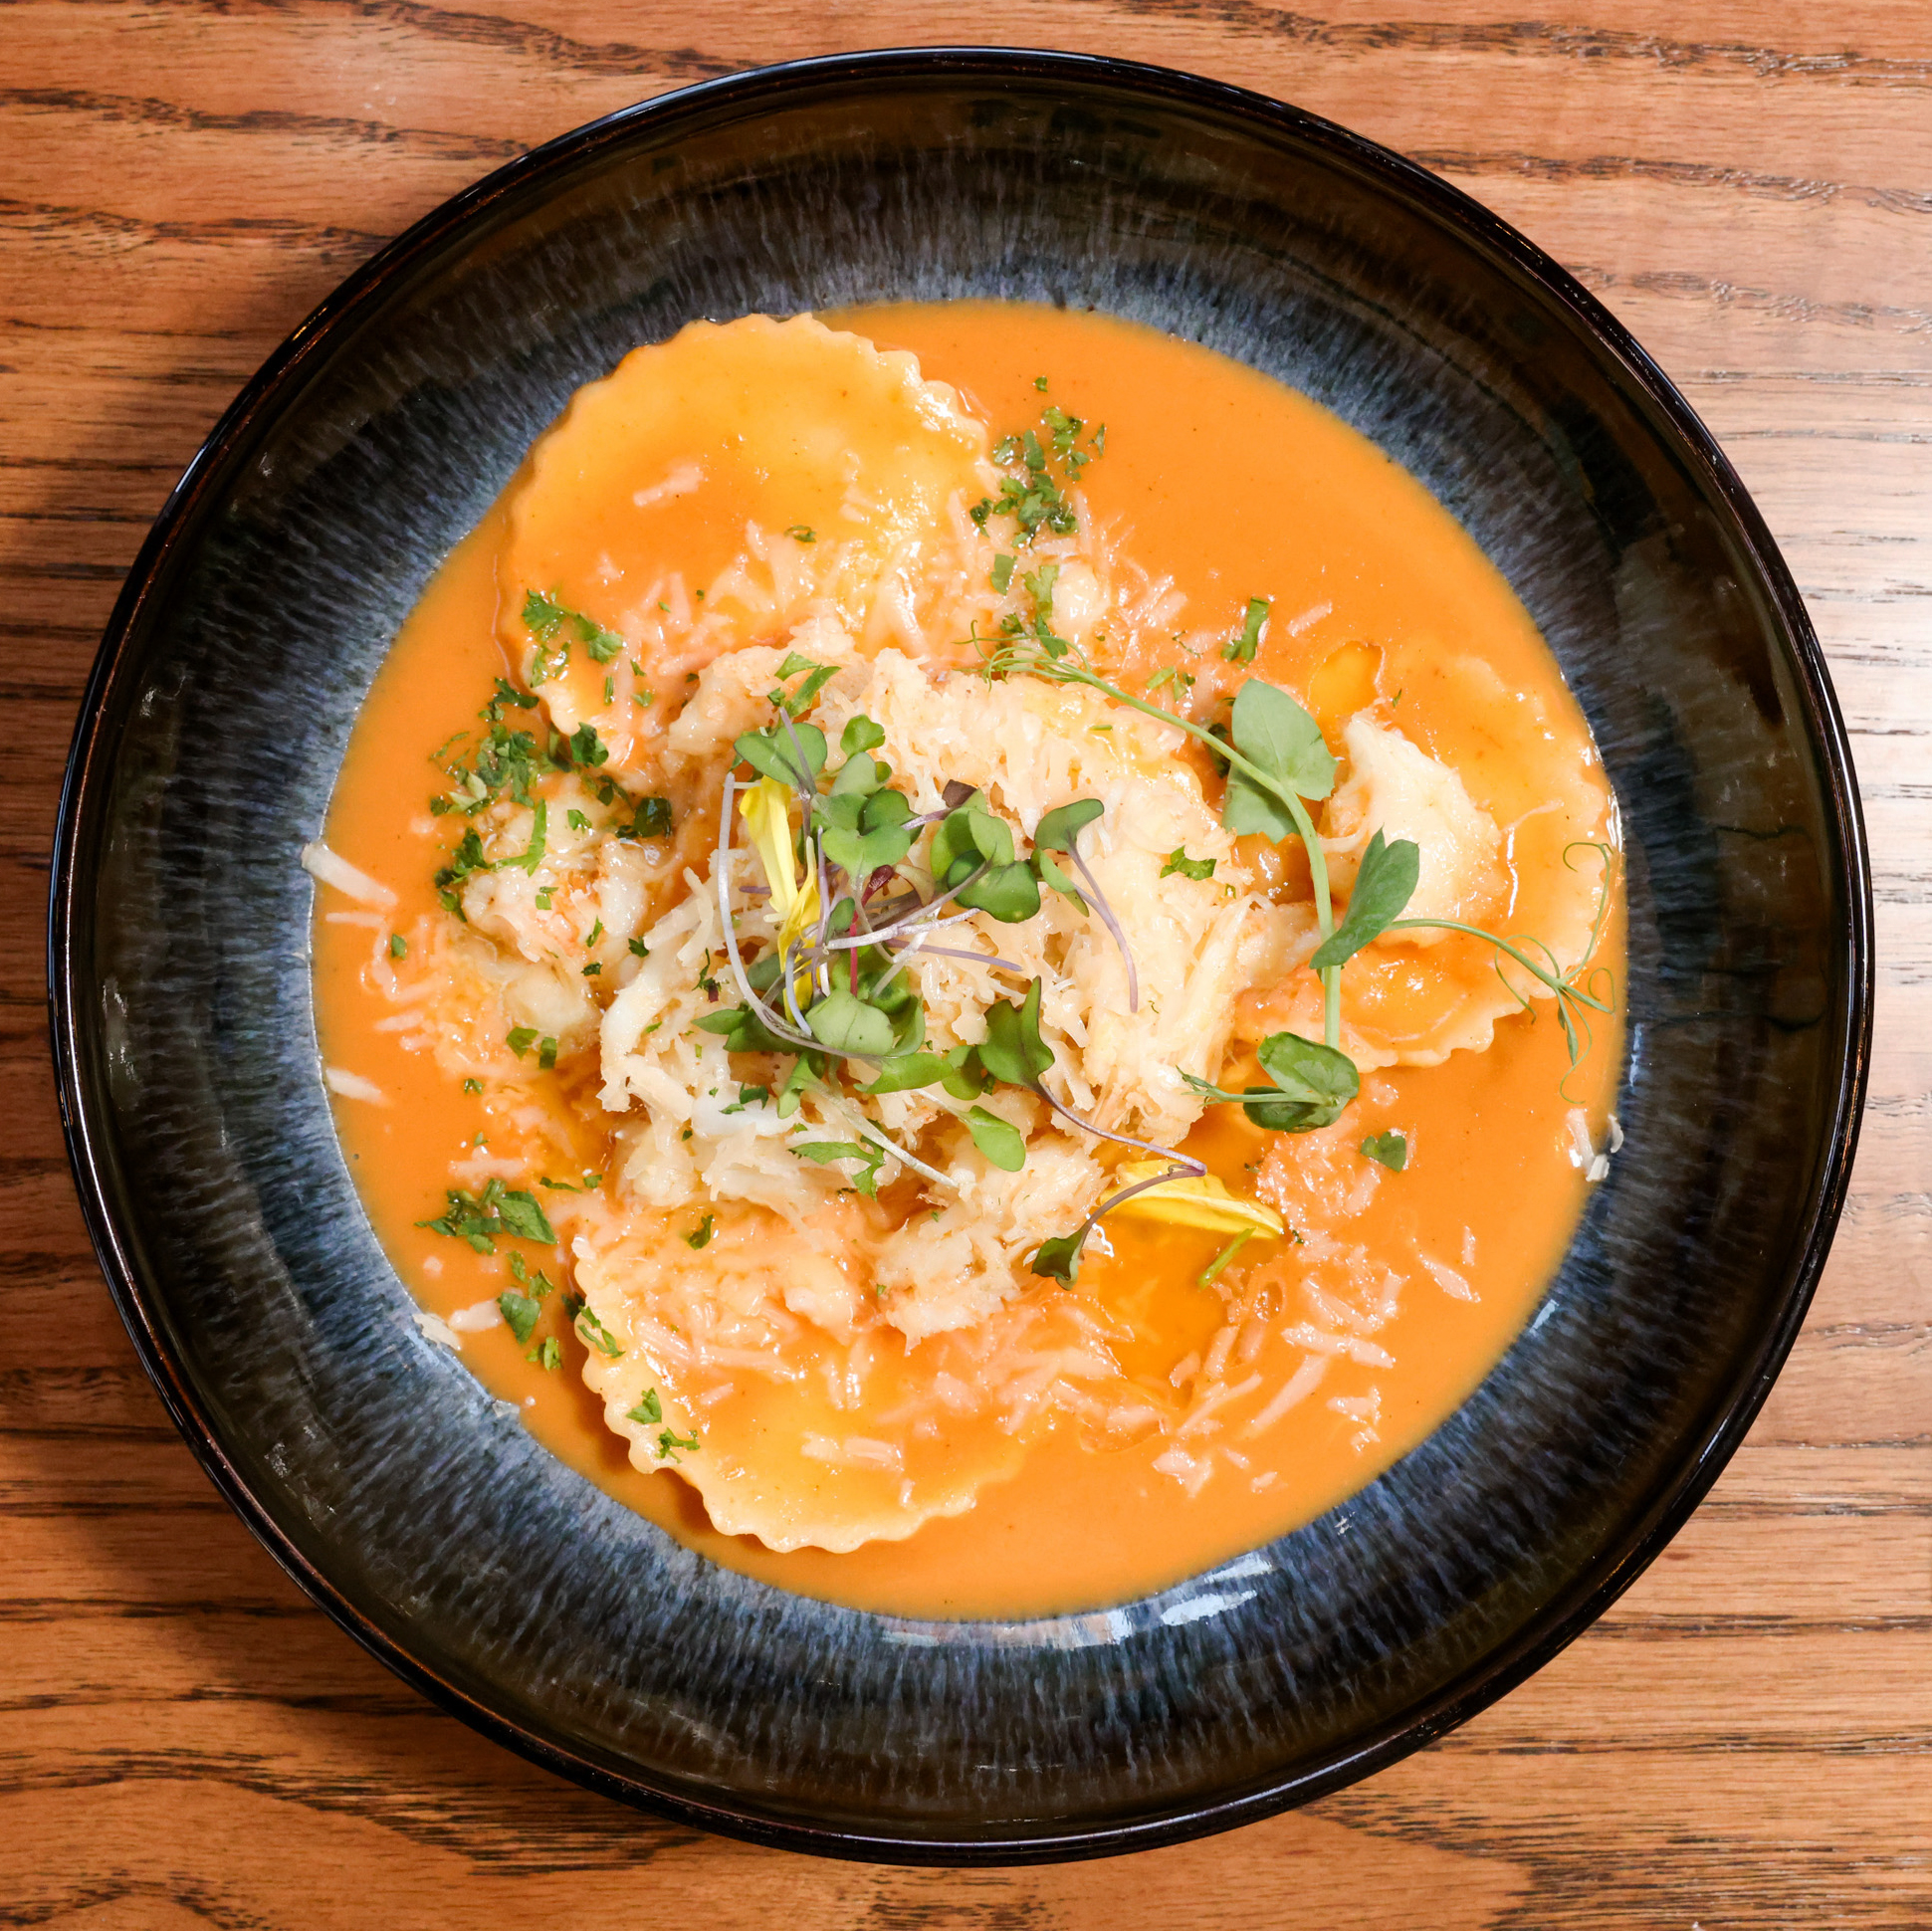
[(1745, 1740)]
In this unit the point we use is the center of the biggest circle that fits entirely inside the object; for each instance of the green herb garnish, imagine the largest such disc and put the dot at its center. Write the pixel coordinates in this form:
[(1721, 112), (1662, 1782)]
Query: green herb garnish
[(1194, 868), (480, 1218), (519, 1311), (1241, 649)]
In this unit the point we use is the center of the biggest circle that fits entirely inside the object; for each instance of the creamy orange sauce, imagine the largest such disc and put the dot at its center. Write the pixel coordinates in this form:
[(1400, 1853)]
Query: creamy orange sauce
[(1234, 487)]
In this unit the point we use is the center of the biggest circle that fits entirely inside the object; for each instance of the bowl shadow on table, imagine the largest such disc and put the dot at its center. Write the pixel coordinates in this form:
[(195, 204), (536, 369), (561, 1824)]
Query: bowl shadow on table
[(379, 1464)]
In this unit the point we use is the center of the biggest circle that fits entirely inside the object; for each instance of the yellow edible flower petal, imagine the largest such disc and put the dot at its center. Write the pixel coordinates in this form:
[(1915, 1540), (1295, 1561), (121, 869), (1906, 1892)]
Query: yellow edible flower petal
[(767, 810), (1203, 1202)]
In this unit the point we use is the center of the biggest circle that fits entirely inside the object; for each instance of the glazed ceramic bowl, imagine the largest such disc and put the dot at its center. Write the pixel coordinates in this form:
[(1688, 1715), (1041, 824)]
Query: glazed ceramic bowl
[(413, 1506)]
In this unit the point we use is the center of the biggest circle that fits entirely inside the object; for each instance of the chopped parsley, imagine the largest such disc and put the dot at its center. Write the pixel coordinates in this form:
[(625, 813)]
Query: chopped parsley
[(652, 819), (1036, 498), (545, 616), (1241, 649), (519, 1311), (398, 946), (699, 1236), (802, 534), (668, 1444), (593, 1334), (529, 860), (480, 1217), (649, 1410), (1178, 861)]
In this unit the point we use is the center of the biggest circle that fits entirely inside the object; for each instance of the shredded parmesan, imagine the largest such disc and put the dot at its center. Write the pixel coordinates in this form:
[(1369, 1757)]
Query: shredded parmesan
[(322, 863)]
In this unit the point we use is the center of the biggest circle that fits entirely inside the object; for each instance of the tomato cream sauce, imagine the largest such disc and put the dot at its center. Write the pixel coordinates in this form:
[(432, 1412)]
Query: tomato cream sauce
[(1234, 487)]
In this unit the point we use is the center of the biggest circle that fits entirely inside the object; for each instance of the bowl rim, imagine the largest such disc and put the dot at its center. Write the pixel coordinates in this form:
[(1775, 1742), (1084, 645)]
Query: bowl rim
[(1592, 1588)]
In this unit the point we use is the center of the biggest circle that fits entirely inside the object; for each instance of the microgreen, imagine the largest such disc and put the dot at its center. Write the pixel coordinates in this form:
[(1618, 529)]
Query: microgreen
[(779, 754), (847, 1025), (1216, 1267), (1580, 990), (825, 1151), (1275, 757), (1059, 1258), (1058, 828), (999, 1140), (1383, 884), (1389, 1149), (1313, 1084), (862, 830), (1012, 1050)]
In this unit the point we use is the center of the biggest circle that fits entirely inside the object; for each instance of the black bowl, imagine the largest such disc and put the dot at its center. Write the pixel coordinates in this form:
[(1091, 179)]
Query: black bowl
[(412, 1505)]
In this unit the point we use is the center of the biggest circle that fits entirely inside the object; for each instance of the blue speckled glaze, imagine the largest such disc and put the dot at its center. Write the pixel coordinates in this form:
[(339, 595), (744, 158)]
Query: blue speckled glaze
[(413, 1504)]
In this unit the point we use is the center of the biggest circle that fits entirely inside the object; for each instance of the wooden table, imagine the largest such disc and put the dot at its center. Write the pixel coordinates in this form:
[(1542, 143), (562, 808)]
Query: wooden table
[(1745, 1740)]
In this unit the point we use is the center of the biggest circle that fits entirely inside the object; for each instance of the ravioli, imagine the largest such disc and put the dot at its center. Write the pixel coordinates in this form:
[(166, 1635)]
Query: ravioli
[(1516, 835), (720, 486)]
